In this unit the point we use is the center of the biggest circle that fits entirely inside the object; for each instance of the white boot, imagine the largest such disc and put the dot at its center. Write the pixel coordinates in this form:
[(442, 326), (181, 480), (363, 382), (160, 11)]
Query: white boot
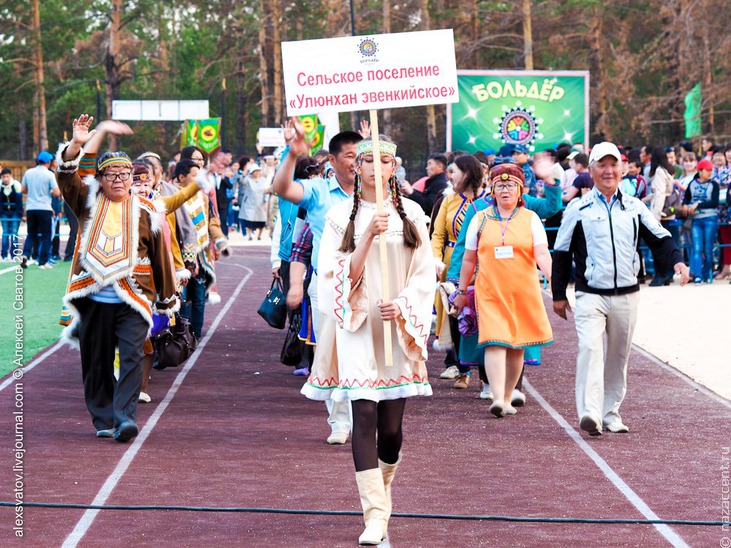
[(388, 471), (373, 499)]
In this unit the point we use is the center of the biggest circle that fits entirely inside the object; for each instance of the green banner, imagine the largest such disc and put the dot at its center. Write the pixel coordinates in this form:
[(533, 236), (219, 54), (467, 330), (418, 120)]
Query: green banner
[(693, 112), (190, 133), (209, 138), (204, 134), (314, 132), (537, 109)]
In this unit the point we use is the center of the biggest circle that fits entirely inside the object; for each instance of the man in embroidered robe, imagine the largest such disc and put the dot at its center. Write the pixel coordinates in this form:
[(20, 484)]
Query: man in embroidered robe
[(120, 272), (210, 243)]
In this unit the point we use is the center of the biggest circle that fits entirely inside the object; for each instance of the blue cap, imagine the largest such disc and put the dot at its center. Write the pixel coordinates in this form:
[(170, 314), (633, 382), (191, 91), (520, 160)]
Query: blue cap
[(44, 157), (505, 151), (521, 148), (489, 151)]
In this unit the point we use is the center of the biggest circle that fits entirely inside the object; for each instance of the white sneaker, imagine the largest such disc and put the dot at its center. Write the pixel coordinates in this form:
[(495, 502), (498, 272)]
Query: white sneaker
[(451, 372), (337, 438), (144, 397), (517, 399), (510, 410), (486, 392), (617, 427)]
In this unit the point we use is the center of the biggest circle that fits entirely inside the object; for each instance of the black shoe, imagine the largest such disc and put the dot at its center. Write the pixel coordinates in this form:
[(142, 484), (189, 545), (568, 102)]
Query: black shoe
[(24, 262), (591, 425), (126, 431), (658, 281)]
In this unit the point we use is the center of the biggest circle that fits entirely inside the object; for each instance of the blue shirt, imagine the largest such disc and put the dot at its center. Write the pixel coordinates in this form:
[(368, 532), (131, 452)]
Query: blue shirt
[(288, 215), (320, 195)]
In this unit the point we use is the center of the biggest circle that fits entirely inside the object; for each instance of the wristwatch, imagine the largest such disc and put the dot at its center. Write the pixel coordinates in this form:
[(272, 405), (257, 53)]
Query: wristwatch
[(461, 292)]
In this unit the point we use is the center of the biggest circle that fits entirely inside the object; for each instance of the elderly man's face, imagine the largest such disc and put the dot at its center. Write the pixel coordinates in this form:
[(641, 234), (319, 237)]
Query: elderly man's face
[(116, 182), (606, 174)]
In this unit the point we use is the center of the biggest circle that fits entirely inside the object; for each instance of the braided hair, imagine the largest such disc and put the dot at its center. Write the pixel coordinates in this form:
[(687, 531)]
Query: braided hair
[(411, 233), (348, 243)]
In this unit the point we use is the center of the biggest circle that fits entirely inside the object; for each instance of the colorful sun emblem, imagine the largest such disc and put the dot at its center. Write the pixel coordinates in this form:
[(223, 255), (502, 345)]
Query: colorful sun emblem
[(518, 126), (368, 47)]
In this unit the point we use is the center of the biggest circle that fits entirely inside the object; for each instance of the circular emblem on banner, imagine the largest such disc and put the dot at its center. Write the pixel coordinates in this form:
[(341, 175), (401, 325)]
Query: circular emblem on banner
[(368, 47), (208, 133), (518, 126)]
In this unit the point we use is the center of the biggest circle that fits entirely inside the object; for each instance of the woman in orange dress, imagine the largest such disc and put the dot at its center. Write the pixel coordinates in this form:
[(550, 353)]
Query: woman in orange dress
[(507, 241)]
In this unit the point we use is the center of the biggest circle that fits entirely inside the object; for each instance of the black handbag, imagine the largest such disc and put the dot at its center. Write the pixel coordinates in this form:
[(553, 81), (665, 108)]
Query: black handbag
[(174, 344), (274, 308), (293, 346)]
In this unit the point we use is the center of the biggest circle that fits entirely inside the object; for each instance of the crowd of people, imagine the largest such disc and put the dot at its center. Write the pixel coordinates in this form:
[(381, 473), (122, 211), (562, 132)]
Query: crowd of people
[(466, 249)]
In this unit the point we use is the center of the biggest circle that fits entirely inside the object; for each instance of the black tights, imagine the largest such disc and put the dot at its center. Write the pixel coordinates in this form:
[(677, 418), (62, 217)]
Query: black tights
[(369, 417)]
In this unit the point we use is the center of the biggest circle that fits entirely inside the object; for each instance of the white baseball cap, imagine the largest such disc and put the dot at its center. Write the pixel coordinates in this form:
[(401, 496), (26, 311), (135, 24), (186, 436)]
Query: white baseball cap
[(602, 150)]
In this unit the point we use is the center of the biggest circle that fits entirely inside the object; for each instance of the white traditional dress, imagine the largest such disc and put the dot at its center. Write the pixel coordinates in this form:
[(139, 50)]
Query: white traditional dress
[(359, 370)]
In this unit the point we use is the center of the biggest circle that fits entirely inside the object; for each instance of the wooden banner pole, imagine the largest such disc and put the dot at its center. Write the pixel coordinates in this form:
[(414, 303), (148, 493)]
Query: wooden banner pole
[(375, 137)]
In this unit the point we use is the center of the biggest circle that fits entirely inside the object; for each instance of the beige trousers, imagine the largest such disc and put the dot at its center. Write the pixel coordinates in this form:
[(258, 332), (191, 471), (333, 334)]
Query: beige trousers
[(604, 325)]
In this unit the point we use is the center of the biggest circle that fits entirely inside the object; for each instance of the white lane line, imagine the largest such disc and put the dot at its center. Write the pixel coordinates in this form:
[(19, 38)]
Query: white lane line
[(10, 269), (685, 378), (670, 535), (10, 380), (110, 484)]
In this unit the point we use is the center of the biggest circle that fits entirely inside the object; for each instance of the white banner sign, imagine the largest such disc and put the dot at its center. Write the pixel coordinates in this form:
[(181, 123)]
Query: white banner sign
[(270, 137), (160, 111), (370, 72)]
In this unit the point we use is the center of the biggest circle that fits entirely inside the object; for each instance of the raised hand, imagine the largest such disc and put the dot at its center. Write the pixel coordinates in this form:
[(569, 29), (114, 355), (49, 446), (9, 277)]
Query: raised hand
[(543, 168), (294, 136), (81, 133), (365, 128), (114, 127)]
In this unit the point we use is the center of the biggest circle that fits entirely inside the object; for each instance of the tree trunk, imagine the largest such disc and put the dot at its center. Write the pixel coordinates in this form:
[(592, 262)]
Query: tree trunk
[(40, 92), (111, 64), (474, 34), (240, 123), (527, 36), (277, 61), (386, 30), (336, 23), (264, 67), (597, 73), (708, 81), (431, 113), (22, 133)]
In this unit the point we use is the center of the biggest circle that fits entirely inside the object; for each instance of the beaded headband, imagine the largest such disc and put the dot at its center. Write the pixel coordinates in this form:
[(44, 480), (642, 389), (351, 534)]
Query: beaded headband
[(504, 173), (119, 158), (366, 147), (141, 178)]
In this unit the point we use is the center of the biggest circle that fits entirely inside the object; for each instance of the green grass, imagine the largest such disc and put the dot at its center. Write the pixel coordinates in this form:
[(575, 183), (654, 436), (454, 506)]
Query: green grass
[(40, 293)]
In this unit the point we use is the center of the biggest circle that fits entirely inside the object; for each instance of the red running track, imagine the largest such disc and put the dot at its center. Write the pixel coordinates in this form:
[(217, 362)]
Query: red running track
[(232, 430)]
